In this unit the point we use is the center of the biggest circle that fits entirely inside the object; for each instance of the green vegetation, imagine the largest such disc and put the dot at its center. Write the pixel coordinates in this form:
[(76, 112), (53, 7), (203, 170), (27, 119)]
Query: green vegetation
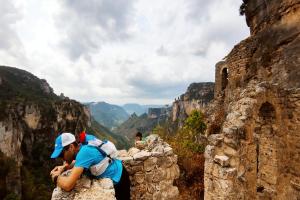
[(189, 148), (20, 86), (36, 183), (11, 196), (6, 167), (194, 123), (186, 139)]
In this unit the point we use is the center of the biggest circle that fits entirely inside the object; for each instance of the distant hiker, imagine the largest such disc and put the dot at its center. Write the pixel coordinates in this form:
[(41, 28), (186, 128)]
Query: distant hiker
[(93, 157), (138, 136), (139, 143)]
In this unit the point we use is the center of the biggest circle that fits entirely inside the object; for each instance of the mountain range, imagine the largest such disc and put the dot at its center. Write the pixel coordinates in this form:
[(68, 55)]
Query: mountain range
[(138, 109), (112, 116), (108, 115)]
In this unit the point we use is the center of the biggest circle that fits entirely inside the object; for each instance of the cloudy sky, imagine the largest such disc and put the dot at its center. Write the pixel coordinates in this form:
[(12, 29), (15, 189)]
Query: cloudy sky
[(119, 51)]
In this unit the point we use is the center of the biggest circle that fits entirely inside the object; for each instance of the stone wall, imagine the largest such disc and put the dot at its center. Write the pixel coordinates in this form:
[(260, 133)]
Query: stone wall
[(254, 152), (152, 170)]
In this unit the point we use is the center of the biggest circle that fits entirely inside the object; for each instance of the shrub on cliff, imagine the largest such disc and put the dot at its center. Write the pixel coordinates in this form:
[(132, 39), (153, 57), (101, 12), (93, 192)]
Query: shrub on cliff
[(187, 145), (186, 139)]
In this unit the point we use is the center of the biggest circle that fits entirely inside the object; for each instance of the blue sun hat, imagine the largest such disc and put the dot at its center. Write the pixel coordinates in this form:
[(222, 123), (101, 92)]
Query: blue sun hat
[(61, 141)]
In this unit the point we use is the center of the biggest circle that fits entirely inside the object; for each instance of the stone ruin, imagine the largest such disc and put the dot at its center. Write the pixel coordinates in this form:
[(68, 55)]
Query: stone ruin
[(254, 121), (152, 170)]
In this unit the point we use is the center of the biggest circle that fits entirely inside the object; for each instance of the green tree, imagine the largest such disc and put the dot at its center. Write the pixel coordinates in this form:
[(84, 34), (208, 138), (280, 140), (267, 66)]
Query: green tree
[(195, 123)]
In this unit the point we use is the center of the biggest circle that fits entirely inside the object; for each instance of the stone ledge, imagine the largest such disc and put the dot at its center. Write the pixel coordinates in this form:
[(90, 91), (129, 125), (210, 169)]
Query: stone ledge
[(96, 189), (222, 160)]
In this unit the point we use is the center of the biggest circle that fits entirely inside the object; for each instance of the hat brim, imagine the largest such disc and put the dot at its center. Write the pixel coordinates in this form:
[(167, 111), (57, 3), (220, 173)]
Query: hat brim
[(56, 152)]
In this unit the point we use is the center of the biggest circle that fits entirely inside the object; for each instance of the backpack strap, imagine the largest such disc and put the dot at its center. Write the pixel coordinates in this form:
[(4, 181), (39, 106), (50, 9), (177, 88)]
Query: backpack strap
[(103, 152)]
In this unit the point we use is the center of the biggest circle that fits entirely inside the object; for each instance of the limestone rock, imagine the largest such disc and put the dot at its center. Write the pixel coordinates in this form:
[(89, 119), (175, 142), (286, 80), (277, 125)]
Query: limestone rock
[(150, 163), (256, 109), (86, 189), (152, 170), (132, 151), (197, 97), (222, 160), (209, 151), (142, 155)]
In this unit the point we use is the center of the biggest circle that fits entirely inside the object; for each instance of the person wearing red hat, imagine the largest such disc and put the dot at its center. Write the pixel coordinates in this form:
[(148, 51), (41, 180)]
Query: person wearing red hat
[(85, 157)]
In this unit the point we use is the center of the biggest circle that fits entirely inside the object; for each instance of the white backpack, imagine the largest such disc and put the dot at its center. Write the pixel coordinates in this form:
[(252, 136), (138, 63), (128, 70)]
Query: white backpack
[(108, 150)]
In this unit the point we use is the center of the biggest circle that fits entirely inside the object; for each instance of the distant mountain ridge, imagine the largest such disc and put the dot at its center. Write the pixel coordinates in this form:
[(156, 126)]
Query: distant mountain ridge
[(138, 109), (108, 115), (104, 133)]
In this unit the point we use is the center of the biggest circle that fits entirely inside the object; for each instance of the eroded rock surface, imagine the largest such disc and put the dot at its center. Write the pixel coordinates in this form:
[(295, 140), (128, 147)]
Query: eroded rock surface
[(197, 97), (254, 121), (31, 116), (87, 189)]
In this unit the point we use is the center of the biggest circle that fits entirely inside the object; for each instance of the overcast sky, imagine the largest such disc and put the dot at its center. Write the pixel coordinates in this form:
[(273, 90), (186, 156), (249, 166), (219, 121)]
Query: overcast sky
[(119, 51)]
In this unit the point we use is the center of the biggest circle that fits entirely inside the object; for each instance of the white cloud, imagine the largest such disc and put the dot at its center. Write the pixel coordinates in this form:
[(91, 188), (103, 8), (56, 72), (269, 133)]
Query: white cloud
[(123, 50)]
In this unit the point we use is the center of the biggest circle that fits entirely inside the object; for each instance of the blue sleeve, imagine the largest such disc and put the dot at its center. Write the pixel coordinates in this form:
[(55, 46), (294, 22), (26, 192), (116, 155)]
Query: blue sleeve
[(85, 158)]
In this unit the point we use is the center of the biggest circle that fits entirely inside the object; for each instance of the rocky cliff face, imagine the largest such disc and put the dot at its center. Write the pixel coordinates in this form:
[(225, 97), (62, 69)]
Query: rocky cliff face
[(197, 97), (31, 118), (254, 121)]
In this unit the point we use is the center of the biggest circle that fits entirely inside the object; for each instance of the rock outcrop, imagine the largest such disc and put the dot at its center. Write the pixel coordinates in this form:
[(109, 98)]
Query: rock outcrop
[(31, 116), (254, 120), (197, 97), (87, 189)]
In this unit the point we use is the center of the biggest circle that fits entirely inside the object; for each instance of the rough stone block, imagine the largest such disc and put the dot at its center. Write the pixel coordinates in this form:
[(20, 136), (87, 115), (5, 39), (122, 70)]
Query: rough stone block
[(209, 152), (157, 154), (126, 159), (132, 151), (165, 162), (142, 155), (139, 177), (168, 151), (229, 151), (150, 163), (149, 176), (158, 175), (215, 139), (222, 160)]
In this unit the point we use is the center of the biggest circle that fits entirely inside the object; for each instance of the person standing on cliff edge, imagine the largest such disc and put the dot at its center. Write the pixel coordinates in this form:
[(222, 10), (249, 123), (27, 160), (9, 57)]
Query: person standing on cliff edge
[(88, 158)]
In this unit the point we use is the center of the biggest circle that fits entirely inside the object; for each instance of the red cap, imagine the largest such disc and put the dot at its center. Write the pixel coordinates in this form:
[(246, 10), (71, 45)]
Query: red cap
[(82, 137)]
